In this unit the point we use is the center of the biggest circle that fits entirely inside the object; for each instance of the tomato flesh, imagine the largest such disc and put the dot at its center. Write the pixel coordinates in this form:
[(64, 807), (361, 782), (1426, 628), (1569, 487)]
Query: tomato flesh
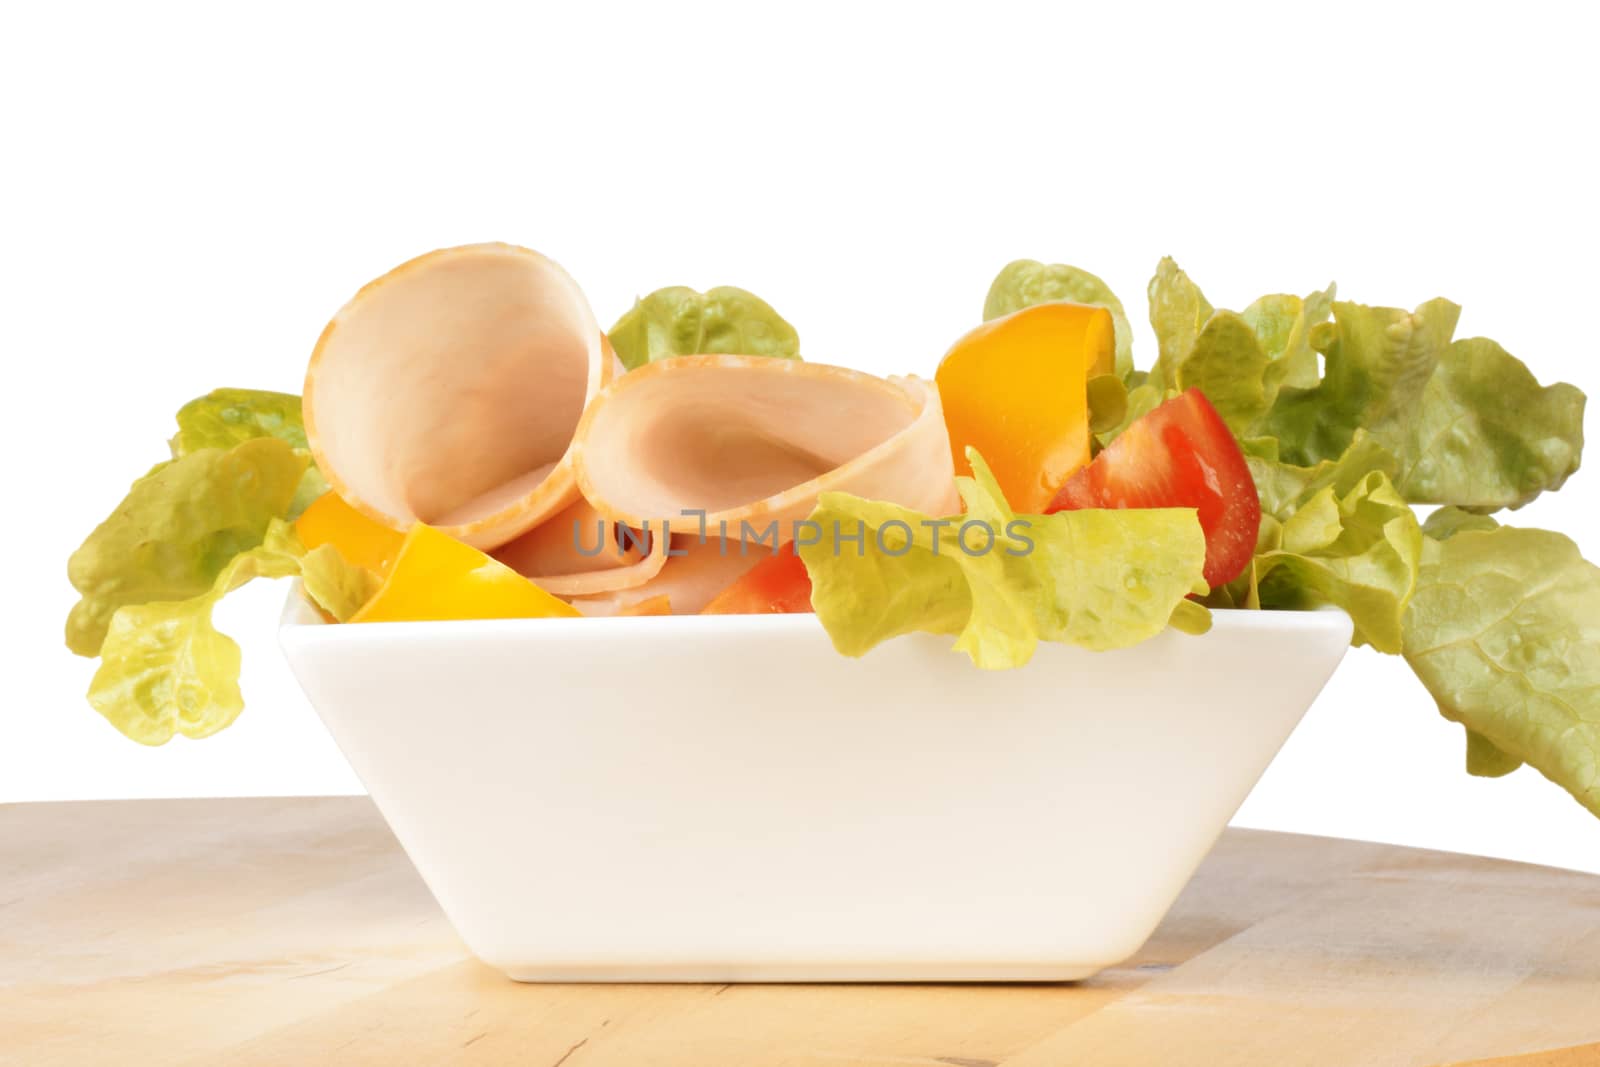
[(1181, 455), (778, 584)]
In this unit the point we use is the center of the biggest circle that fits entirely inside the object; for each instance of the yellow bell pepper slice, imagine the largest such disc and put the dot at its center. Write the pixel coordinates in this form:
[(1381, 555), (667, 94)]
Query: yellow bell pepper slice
[(363, 542), (434, 577), (1016, 389)]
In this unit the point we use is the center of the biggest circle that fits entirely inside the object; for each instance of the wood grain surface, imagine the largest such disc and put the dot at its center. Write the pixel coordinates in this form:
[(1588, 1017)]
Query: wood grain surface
[(295, 932)]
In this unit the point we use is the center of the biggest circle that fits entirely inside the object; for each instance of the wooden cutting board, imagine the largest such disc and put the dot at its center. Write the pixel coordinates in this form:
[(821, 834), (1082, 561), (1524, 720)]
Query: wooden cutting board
[(295, 932)]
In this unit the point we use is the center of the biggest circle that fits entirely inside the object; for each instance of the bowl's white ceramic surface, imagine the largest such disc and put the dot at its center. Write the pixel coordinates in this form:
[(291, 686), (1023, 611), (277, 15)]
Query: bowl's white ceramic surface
[(725, 798)]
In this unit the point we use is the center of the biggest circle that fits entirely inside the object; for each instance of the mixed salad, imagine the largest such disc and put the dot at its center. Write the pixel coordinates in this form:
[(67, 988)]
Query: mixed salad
[(470, 444)]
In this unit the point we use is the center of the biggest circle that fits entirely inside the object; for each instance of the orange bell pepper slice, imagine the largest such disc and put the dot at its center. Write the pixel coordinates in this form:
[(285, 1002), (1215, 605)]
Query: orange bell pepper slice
[(362, 541), (1016, 389), (434, 577)]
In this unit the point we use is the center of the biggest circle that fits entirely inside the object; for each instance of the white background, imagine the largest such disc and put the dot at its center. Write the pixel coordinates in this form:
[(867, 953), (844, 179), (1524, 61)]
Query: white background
[(189, 195)]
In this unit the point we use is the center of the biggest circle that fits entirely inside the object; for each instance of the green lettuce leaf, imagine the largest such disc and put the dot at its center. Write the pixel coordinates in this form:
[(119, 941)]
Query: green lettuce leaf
[(1243, 593), (337, 587), (177, 529), (1284, 487), (1445, 523), (1483, 759), (1486, 433), (1240, 361), (1097, 579), (1178, 312), (1026, 282), (1191, 617), (1345, 424), (1504, 630), (1359, 551), (678, 321), (165, 669), (1464, 421), (1284, 325), (1467, 423), (1108, 403), (1228, 365), (1379, 361), (227, 417), (190, 530)]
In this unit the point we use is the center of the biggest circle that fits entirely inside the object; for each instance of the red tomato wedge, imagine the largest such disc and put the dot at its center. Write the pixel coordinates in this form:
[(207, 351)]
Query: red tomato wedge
[(775, 585), (1181, 455)]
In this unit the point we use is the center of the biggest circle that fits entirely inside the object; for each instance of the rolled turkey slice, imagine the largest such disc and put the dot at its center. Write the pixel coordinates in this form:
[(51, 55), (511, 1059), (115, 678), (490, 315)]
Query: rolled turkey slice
[(448, 391), (752, 441), (579, 553), (694, 574)]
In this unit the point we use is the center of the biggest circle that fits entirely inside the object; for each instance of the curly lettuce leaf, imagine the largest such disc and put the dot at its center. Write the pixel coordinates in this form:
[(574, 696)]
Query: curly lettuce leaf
[(1191, 617), (165, 669), (1283, 324), (227, 417), (1484, 760), (1240, 361), (1465, 422), (339, 588), (678, 321), (1096, 579), (1108, 403), (1486, 433), (1504, 631), (1500, 624), (1445, 523), (1284, 487), (1178, 312), (1378, 363), (1359, 551), (1228, 365), (176, 531), (1026, 282)]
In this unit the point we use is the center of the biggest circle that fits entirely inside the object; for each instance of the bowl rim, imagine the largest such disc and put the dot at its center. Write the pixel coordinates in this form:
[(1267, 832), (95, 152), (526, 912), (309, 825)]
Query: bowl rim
[(300, 621)]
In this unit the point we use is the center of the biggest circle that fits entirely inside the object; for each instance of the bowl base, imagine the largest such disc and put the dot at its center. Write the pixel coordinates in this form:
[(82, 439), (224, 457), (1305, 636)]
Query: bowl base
[(710, 973)]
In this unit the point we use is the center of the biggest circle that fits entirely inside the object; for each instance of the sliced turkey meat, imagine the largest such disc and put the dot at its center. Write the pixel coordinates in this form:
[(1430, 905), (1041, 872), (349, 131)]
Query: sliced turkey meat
[(688, 581), (448, 391), (752, 441), (579, 553)]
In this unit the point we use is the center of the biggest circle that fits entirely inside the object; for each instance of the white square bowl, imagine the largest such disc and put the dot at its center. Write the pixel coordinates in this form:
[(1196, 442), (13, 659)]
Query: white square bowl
[(726, 798)]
